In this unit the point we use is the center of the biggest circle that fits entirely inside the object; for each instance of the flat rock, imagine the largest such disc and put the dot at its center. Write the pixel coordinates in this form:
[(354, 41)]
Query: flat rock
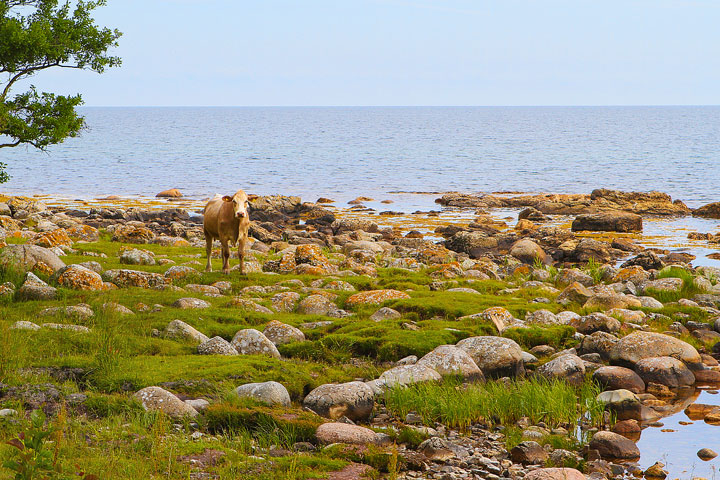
[(156, 398), (613, 446), (189, 303), (632, 348), (252, 342), (328, 433), (354, 400), (667, 371)]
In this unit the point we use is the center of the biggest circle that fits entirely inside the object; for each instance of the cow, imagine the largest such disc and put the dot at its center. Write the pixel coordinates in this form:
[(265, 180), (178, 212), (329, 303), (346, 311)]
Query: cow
[(227, 219)]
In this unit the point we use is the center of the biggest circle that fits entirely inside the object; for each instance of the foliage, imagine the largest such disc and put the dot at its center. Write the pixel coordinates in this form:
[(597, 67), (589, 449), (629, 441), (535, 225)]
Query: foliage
[(37, 35)]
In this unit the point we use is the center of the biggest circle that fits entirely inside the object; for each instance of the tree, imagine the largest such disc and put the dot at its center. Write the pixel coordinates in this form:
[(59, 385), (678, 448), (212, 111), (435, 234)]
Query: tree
[(37, 35)]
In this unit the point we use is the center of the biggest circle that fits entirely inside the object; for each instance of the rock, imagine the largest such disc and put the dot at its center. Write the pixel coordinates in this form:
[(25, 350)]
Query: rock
[(616, 378), (134, 278), (435, 448), (568, 367), (177, 272), (216, 346), (588, 249), (614, 446), (595, 322), (403, 375), (271, 393), (132, 234), (137, 257), (252, 342), (83, 233), (495, 356), (285, 301), (64, 326), (249, 306), (638, 345), (610, 301), (24, 325), (35, 289), (664, 285), (156, 398), (711, 210), (178, 329), (316, 305), (345, 225), (374, 297), (26, 257), (55, 238), (666, 371), (499, 317), (451, 360), (328, 433), (280, 333), (555, 474), (473, 243), (611, 221), (646, 260), (528, 251), (172, 193), (354, 400), (81, 311), (629, 428), (706, 454), (601, 343), (574, 293), (385, 313), (78, 277), (204, 289), (541, 317), (528, 452), (199, 404), (650, 302), (624, 403), (574, 275), (189, 303)]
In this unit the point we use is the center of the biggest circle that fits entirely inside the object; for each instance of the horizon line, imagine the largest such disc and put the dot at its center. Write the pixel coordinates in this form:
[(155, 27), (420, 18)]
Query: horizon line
[(409, 106)]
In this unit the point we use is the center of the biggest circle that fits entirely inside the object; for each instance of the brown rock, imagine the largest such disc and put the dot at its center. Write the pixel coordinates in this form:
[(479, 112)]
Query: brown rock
[(615, 378), (614, 446), (612, 221), (172, 193), (344, 433)]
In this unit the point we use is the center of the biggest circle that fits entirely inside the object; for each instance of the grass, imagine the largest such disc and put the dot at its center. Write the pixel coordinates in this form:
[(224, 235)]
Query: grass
[(496, 403), (689, 288)]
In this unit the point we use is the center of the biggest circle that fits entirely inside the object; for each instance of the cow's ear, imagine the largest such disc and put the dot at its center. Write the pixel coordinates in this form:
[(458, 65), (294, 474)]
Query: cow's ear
[(252, 197), (227, 199)]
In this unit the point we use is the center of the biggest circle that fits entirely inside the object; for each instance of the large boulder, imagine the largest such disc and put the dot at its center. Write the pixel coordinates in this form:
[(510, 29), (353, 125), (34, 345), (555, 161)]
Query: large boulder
[(495, 356), (613, 446), (134, 278), (177, 329), (595, 322), (156, 398), (354, 400), (555, 474), (667, 371), (612, 221), (26, 257), (281, 333), (403, 375), (601, 343), (711, 210), (528, 251), (375, 297), (565, 367), (216, 346), (451, 360), (336, 432), (78, 277), (638, 345), (472, 243), (271, 393), (619, 378), (252, 342)]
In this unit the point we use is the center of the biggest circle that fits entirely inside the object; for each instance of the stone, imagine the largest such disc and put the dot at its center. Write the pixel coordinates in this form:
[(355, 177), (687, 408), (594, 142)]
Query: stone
[(385, 313), (613, 446), (574, 293), (615, 378), (528, 251), (541, 317), (354, 400), (113, 307), (271, 393), (711, 210), (667, 371), (453, 361), (252, 342), (528, 452), (35, 289), (137, 257), (375, 297), (156, 398), (610, 301), (435, 448), (706, 454), (78, 277), (249, 306), (178, 329), (280, 333), (601, 343), (632, 348), (134, 278), (499, 316), (24, 325), (171, 193), (555, 473), (403, 375), (55, 238), (177, 272), (629, 428), (83, 233), (569, 276), (566, 367), (216, 346), (316, 305), (190, 303), (285, 302), (336, 432), (624, 403), (664, 285), (132, 234), (610, 221), (199, 404), (26, 257), (65, 326), (495, 356), (80, 311), (595, 322), (656, 470)]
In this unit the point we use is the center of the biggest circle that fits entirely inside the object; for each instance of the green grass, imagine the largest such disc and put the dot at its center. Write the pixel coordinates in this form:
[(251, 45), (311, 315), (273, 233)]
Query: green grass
[(688, 290)]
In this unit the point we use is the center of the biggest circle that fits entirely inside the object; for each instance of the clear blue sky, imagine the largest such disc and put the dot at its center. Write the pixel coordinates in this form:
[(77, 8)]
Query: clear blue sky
[(407, 52)]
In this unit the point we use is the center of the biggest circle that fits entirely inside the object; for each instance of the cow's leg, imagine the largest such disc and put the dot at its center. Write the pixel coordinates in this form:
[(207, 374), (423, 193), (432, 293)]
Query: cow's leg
[(226, 256), (241, 252), (208, 251)]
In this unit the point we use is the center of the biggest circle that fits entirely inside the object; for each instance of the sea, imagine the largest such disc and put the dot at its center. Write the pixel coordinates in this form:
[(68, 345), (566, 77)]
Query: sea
[(345, 152)]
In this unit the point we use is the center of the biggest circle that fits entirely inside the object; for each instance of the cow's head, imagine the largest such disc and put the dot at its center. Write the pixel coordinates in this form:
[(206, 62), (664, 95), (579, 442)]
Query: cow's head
[(239, 203)]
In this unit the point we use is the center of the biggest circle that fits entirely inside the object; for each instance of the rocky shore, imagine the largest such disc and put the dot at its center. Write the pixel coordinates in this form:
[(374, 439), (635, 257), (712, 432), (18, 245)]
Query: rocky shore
[(341, 323)]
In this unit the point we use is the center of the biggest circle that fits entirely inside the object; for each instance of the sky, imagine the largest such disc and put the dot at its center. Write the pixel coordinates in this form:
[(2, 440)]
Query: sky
[(405, 52)]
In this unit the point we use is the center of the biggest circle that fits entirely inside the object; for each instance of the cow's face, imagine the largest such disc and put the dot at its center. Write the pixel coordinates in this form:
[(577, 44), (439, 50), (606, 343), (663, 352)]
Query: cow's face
[(239, 203)]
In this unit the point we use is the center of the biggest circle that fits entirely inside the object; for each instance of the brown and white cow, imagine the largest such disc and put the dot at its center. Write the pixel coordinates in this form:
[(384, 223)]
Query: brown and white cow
[(227, 219)]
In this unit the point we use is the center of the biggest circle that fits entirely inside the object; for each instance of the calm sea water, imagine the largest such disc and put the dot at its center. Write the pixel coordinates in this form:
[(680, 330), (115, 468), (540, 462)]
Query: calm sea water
[(346, 151)]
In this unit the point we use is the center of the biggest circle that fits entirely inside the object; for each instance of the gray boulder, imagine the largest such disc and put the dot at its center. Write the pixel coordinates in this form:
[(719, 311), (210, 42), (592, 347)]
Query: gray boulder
[(354, 400), (271, 393)]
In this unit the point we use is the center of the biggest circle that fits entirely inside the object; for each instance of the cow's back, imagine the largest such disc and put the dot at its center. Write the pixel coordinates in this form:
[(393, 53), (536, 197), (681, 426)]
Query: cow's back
[(211, 215)]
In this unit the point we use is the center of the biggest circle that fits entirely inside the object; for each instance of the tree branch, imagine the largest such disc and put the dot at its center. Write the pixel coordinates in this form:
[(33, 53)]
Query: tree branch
[(10, 144), (22, 73)]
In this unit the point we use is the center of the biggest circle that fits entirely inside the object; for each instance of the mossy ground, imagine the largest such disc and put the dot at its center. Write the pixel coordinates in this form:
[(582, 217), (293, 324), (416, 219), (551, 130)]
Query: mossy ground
[(112, 436)]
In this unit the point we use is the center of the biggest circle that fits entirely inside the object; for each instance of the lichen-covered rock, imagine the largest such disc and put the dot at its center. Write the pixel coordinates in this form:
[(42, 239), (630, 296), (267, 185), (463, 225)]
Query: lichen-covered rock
[(280, 333), (65, 326), (616, 378), (574, 293), (78, 277), (595, 322), (385, 313), (541, 317), (638, 345), (335, 432), (354, 400), (635, 274), (83, 233), (316, 305), (25, 257), (271, 393), (375, 297), (407, 375), (555, 473), (134, 278), (495, 356), (664, 285), (177, 272), (25, 325), (569, 276), (566, 367), (312, 255), (252, 342), (178, 329), (667, 371), (55, 238), (610, 301), (285, 301), (156, 398), (451, 360), (35, 289), (137, 257), (204, 289), (80, 311), (216, 346), (528, 251), (132, 234), (249, 305), (190, 303)]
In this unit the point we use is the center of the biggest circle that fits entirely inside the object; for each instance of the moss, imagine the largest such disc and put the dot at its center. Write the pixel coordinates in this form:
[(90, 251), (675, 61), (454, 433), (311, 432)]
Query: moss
[(557, 336), (109, 405)]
